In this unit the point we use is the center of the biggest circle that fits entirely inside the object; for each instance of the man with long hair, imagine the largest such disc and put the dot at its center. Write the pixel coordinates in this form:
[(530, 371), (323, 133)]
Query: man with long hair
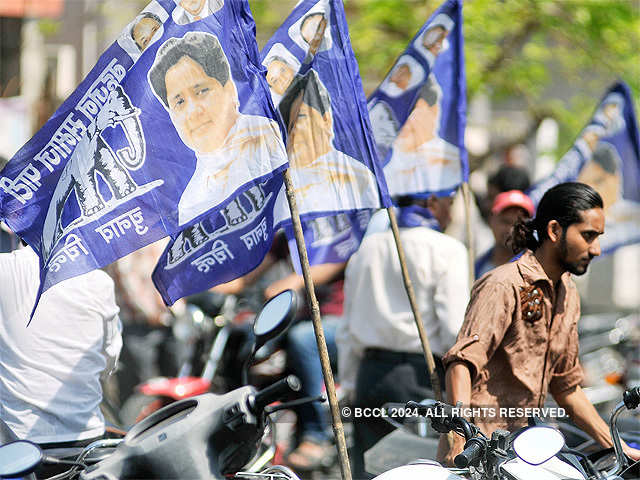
[(519, 339)]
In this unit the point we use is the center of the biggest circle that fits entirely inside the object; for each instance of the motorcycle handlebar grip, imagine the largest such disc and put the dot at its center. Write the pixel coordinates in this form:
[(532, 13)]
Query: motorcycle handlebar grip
[(470, 455), (275, 391), (631, 398), (443, 409)]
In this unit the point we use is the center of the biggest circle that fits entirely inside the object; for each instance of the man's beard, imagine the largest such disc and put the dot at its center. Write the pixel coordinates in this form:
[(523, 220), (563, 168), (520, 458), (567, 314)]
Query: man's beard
[(575, 268)]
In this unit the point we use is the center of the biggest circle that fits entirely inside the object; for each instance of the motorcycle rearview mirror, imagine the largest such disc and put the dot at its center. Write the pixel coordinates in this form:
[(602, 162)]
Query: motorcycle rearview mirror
[(536, 445), (273, 320), (19, 458)]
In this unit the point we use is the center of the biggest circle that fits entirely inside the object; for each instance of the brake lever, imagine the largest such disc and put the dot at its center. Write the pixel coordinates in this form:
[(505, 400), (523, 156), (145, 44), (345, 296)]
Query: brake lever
[(294, 403)]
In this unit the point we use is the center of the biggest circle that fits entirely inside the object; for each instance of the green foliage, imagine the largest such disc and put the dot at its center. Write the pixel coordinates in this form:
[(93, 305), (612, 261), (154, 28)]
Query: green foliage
[(556, 57), (48, 27)]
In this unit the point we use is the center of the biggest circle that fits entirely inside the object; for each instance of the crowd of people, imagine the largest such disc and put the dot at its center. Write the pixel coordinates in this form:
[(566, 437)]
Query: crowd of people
[(509, 340)]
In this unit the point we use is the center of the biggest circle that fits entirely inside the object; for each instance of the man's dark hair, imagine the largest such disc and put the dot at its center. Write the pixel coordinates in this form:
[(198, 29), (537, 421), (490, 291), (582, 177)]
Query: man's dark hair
[(606, 156), (201, 47), (142, 16), (405, 200), (278, 58), (509, 178), (314, 94), (564, 203), (429, 92)]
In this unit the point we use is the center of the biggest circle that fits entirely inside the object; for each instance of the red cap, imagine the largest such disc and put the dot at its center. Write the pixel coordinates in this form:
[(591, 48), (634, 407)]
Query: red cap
[(512, 198)]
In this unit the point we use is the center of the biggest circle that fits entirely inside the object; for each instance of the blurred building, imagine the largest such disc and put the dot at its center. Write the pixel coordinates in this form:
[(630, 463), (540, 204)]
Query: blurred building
[(46, 48)]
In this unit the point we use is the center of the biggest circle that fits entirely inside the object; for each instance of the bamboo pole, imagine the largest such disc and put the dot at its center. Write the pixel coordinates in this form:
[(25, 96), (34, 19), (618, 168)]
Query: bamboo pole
[(408, 285), (338, 428), (336, 419)]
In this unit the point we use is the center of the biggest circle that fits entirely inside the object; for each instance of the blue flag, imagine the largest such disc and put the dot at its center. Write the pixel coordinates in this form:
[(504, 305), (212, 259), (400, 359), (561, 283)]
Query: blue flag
[(222, 246), (342, 179), (171, 125), (418, 112), (331, 150), (330, 239), (606, 156)]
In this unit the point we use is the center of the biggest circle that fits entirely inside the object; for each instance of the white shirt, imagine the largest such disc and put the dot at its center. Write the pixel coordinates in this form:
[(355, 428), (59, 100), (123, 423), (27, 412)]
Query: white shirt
[(255, 145), (377, 313), (50, 371)]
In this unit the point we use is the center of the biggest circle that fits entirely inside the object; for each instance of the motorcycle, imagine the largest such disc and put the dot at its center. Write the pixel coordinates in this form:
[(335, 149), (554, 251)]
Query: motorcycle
[(206, 436), (609, 354), (209, 330), (534, 453)]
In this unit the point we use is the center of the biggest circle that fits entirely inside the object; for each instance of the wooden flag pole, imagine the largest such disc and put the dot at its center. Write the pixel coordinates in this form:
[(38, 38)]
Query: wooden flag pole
[(338, 428), (466, 195), (408, 285)]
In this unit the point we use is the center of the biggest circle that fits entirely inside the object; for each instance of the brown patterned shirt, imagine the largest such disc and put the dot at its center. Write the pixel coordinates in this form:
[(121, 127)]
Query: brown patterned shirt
[(520, 341)]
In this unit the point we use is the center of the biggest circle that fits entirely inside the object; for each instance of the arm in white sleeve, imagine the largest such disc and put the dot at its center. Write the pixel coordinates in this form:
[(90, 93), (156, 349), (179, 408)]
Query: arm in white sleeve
[(452, 294), (112, 330)]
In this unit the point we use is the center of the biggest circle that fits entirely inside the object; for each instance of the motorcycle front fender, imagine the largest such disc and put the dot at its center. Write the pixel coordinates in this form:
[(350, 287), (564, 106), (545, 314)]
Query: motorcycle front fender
[(419, 472)]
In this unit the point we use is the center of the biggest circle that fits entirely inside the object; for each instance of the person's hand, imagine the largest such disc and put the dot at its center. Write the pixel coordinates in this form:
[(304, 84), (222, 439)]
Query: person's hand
[(289, 282), (449, 446), (632, 453)]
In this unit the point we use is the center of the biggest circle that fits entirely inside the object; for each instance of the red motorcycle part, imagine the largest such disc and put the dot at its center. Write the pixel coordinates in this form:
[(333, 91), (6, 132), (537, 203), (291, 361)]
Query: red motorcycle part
[(176, 388)]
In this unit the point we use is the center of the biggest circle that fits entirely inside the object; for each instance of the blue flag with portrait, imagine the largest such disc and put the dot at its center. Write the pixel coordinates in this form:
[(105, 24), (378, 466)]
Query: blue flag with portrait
[(322, 104), (606, 156), (418, 113), (173, 123), (331, 151)]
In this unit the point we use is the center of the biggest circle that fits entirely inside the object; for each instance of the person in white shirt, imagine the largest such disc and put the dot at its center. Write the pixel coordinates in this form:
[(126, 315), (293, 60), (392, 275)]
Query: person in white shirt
[(379, 351), (50, 389)]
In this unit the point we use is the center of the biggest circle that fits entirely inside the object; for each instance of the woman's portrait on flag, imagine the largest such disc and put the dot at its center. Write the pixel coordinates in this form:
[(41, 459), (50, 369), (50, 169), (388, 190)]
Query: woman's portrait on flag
[(422, 159), (192, 79), (282, 67), (602, 172), (433, 41), (143, 31), (384, 126), (404, 76), (324, 178), (303, 30), (189, 11)]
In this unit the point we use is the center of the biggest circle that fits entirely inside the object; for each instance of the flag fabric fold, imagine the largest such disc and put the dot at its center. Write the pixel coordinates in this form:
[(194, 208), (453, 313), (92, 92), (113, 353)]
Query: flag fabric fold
[(331, 239), (418, 113), (171, 125), (606, 155)]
